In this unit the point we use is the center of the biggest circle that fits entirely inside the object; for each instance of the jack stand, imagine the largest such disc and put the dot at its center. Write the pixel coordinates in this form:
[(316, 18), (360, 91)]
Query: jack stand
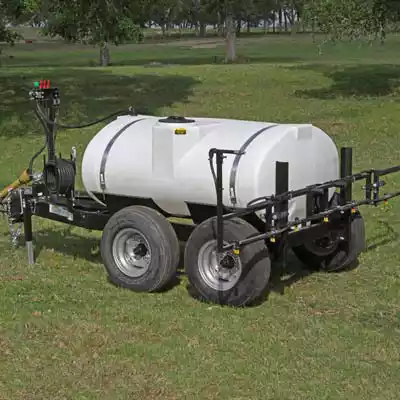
[(28, 233)]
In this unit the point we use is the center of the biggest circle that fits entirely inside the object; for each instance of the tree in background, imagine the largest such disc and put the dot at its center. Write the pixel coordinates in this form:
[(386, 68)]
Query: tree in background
[(11, 12), (104, 22), (92, 22), (352, 19)]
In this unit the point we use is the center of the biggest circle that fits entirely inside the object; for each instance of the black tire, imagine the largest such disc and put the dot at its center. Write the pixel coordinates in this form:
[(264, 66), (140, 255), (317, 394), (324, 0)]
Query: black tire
[(254, 260), (162, 248), (342, 255)]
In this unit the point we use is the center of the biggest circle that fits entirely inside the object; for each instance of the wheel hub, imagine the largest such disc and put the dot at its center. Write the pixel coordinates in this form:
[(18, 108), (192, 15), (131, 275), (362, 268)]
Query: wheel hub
[(227, 261), (222, 275), (131, 252), (140, 250), (324, 246)]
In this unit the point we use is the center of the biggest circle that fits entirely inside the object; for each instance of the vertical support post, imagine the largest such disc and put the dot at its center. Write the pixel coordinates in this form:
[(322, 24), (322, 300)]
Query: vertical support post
[(28, 232), (282, 208), (346, 192), (282, 186), (368, 191), (220, 204), (346, 169)]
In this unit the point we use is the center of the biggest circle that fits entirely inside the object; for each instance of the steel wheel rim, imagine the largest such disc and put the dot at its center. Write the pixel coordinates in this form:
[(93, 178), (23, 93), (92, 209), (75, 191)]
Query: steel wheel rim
[(131, 252), (224, 279)]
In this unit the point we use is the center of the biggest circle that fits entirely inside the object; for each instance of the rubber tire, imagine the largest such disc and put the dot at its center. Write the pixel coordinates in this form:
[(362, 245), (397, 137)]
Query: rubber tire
[(256, 264), (339, 259), (163, 242)]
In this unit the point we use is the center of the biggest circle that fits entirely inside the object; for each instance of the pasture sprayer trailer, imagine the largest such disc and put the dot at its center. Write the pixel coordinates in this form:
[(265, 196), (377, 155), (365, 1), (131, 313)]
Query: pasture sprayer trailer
[(251, 189)]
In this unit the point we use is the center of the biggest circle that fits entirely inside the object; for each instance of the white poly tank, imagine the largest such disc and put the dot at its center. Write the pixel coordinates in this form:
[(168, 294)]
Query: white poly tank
[(168, 162)]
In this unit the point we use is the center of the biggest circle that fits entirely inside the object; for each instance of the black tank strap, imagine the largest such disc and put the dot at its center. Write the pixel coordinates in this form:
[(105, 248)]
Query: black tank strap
[(108, 149), (232, 178)]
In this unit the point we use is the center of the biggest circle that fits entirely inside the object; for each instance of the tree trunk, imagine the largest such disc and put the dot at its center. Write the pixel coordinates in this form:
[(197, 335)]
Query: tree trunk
[(238, 27), (382, 35), (248, 26), (202, 31), (220, 24), (230, 39), (104, 55)]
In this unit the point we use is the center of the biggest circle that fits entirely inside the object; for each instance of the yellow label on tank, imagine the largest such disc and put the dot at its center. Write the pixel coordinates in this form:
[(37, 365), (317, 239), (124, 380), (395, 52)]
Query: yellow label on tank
[(180, 131)]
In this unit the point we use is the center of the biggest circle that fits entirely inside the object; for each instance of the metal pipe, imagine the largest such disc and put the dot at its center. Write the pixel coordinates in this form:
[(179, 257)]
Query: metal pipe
[(220, 205), (391, 170)]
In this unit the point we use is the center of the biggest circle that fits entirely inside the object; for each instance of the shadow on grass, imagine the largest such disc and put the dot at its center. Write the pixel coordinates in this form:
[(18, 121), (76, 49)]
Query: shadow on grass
[(354, 81), (66, 242), (166, 58), (88, 95), (282, 277), (205, 60), (88, 248), (286, 274)]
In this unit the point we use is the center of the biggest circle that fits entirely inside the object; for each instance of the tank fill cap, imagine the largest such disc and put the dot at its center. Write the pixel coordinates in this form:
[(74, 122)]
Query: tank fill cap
[(176, 119)]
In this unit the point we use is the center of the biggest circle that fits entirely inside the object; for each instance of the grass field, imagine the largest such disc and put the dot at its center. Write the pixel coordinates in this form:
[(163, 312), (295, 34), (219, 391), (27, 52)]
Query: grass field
[(66, 333)]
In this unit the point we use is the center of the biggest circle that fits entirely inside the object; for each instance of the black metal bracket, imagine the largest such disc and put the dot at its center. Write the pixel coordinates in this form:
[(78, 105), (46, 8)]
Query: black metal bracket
[(220, 154)]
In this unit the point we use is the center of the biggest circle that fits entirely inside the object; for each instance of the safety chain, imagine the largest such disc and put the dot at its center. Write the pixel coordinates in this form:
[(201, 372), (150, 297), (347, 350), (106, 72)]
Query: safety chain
[(15, 233)]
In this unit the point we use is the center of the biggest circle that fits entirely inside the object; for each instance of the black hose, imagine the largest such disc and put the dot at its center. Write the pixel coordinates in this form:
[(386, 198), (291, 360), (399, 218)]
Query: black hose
[(214, 175), (37, 154), (60, 178), (45, 120), (114, 114)]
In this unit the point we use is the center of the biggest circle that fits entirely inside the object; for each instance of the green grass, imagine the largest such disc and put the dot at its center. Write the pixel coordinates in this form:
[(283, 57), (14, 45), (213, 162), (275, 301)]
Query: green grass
[(65, 332)]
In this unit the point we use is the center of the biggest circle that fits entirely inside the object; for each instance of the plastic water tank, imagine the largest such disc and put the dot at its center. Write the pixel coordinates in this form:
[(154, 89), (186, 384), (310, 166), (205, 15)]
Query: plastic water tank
[(167, 161)]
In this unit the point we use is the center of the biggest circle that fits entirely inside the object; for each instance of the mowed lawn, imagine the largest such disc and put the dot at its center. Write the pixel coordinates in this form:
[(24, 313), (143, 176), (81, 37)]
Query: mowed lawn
[(67, 333)]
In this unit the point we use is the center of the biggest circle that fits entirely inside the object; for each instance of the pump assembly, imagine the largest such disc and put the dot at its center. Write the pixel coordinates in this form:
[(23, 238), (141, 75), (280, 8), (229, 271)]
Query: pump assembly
[(250, 190)]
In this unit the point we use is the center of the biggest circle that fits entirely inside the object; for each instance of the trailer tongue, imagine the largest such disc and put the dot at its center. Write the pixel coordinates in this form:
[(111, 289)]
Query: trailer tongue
[(287, 187)]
